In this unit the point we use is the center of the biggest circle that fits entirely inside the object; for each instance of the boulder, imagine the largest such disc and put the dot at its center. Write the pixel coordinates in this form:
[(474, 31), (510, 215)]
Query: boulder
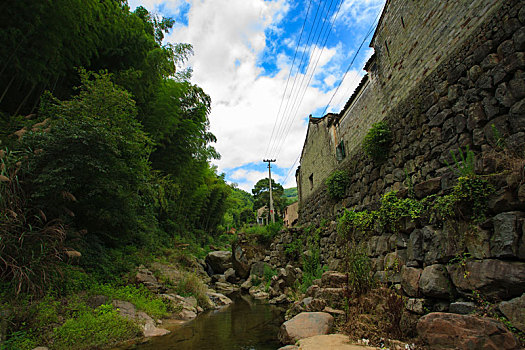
[(219, 261), (410, 280), (434, 282), (514, 311), (226, 288), (330, 341), (229, 275), (334, 279), (494, 279), (304, 325), (218, 299), (507, 230), (441, 330)]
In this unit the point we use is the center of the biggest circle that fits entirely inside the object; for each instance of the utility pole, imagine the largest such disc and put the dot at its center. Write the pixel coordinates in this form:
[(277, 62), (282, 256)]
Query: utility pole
[(269, 161)]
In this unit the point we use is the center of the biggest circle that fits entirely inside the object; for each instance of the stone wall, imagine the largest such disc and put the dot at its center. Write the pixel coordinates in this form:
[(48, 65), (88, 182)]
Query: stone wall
[(478, 89), (420, 35)]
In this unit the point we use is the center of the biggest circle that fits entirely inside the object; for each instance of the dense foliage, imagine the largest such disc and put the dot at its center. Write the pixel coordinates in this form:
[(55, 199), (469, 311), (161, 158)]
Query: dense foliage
[(114, 159), (377, 141), (336, 184)]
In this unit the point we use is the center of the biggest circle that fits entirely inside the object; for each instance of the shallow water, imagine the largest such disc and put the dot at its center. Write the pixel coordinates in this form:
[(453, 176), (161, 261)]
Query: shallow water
[(245, 325)]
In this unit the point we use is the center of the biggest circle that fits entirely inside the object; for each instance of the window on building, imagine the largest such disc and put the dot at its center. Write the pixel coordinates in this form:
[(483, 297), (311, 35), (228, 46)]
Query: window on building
[(311, 178), (340, 153)]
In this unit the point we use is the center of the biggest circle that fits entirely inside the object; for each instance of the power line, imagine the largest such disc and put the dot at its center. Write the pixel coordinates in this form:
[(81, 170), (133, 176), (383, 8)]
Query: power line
[(289, 117), (272, 146), (311, 76), (289, 75)]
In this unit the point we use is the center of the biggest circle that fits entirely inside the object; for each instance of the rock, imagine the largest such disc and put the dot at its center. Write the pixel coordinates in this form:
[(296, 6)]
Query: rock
[(304, 325), (219, 261), (125, 309), (257, 268), (97, 300), (504, 241), (462, 307), (226, 288), (330, 341), (394, 260), (434, 282), (334, 279), (229, 275), (128, 310), (514, 311), (281, 299), (246, 285), (146, 277), (428, 187), (186, 315), (415, 246), (333, 312), (410, 280), (440, 245), (218, 299), (452, 331), (316, 304), (333, 296), (494, 279), (289, 347), (387, 276), (258, 294), (416, 306)]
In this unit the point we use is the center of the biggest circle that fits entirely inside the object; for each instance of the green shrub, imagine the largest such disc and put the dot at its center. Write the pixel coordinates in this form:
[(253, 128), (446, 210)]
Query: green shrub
[(312, 268), (394, 209), (465, 164), (337, 183), (191, 285), (359, 270), (355, 225), (90, 329), (377, 141), (141, 297)]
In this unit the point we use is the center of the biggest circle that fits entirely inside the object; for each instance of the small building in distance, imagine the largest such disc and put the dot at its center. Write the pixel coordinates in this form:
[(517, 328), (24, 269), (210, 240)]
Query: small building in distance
[(262, 215), (291, 214)]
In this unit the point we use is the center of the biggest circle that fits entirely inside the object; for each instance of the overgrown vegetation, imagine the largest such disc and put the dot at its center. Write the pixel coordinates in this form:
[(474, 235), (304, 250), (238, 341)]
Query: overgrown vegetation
[(105, 149), (337, 183), (376, 143), (311, 259)]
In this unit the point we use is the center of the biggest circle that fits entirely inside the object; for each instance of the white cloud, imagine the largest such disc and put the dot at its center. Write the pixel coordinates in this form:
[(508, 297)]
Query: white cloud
[(229, 39)]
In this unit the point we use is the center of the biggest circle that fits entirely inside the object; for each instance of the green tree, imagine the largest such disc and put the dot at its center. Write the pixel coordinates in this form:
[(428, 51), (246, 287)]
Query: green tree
[(261, 195), (92, 162)]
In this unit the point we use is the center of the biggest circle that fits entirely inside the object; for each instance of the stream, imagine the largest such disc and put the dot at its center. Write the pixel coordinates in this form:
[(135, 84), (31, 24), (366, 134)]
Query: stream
[(247, 324)]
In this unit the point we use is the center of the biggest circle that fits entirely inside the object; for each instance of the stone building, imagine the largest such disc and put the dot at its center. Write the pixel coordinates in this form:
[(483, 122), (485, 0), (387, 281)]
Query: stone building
[(412, 39)]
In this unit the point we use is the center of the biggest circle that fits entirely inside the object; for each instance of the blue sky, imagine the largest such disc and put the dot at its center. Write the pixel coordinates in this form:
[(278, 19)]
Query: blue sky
[(244, 59)]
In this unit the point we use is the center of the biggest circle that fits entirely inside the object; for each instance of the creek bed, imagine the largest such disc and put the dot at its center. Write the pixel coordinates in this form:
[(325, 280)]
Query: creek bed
[(246, 324)]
